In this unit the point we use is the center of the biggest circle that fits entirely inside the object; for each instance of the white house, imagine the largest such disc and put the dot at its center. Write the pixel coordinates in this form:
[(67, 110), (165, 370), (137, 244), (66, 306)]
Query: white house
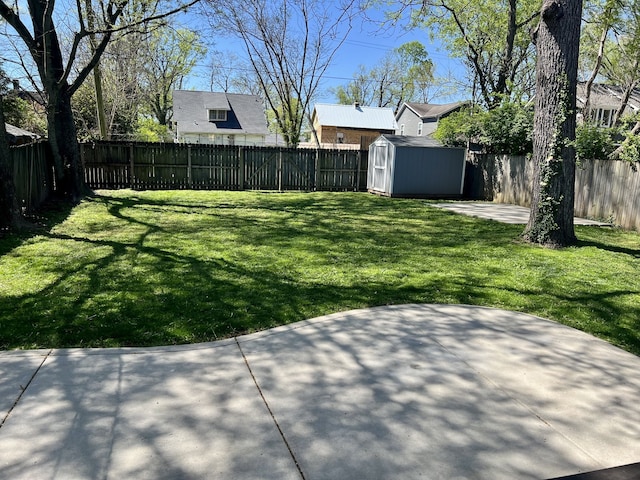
[(218, 118), (604, 102)]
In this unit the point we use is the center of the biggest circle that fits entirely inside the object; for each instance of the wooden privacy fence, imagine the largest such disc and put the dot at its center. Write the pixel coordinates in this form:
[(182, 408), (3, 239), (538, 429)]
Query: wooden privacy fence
[(154, 166), (32, 171), (604, 189)]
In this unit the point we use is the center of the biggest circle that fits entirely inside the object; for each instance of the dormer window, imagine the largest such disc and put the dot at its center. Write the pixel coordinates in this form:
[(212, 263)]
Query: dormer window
[(217, 115)]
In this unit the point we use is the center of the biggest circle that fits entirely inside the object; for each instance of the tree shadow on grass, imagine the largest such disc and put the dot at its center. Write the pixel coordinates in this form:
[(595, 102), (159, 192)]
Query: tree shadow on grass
[(145, 289), (50, 214), (633, 252)]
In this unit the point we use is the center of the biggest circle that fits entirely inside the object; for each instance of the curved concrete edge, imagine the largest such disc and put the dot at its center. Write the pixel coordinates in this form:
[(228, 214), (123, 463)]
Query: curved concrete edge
[(504, 212), (386, 392)]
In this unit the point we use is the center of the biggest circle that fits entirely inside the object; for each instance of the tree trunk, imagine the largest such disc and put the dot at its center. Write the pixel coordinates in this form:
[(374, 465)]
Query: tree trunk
[(557, 43), (502, 86), (64, 145), (9, 208)]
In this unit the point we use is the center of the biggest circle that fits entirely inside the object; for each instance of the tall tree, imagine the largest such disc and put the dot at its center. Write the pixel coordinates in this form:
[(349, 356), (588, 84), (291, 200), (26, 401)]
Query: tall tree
[(172, 55), (290, 45), (492, 37), (56, 61), (403, 75), (557, 39), (601, 17), (621, 62), (231, 74)]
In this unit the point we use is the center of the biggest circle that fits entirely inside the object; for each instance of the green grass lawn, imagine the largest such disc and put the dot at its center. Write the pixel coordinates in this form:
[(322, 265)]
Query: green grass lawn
[(151, 268)]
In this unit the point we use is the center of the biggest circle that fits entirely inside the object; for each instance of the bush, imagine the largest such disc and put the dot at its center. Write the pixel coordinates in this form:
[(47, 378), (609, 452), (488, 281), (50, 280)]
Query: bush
[(150, 130), (630, 149), (505, 129), (509, 129), (459, 127), (593, 142)]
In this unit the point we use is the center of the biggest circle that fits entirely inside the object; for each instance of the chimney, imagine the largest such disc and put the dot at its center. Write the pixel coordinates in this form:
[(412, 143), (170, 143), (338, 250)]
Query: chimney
[(356, 104)]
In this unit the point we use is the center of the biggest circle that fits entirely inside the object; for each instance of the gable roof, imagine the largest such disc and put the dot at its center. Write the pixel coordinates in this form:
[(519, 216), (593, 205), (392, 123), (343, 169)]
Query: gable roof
[(354, 116), (430, 110), (245, 113), (607, 95)]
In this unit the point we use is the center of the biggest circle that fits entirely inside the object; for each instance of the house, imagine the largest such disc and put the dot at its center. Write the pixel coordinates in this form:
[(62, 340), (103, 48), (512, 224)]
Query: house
[(18, 136), (218, 118), (35, 99), (421, 119), (604, 102), (337, 125)]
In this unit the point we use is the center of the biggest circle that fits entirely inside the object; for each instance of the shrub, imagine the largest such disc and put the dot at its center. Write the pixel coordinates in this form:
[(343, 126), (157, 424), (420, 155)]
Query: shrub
[(150, 130), (504, 129), (458, 128), (593, 142), (630, 149)]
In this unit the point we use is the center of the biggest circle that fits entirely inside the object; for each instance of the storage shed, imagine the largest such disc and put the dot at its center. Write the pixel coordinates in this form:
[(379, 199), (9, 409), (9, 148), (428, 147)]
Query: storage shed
[(402, 166)]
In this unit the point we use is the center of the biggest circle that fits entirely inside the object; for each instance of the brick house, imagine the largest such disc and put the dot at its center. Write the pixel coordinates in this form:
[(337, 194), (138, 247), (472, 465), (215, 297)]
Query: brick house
[(341, 125)]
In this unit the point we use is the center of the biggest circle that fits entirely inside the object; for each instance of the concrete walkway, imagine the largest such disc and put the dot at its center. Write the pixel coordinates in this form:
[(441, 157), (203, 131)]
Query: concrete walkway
[(405, 392), (502, 212)]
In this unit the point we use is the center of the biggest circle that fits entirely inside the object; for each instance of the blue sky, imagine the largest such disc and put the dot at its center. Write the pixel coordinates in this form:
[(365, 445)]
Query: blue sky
[(366, 44)]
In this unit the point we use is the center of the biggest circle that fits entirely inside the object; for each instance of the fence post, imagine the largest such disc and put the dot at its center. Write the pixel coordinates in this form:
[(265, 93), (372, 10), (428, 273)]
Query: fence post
[(359, 166), (241, 174), (131, 166), (83, 163), (189, 176), (280, 171), (316, 173)]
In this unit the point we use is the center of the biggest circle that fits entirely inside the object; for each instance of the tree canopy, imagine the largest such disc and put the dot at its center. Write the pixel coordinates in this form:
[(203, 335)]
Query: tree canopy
[(54, 34), (491, 37), (404, 75), (289, 45)]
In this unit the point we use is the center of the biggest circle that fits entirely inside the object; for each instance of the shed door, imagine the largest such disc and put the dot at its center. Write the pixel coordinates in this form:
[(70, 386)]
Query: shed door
[(379, 166)]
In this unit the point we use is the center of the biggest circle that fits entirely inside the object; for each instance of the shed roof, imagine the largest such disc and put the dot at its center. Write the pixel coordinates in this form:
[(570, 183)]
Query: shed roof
[(404, 141), (245, 112), (355, 116), (18, 136)]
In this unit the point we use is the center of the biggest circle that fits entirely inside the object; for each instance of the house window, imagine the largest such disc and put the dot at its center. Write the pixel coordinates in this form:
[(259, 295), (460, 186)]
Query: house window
[(217, 115), (420, 129), (602, 117), (340, 137), (402, 129)]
